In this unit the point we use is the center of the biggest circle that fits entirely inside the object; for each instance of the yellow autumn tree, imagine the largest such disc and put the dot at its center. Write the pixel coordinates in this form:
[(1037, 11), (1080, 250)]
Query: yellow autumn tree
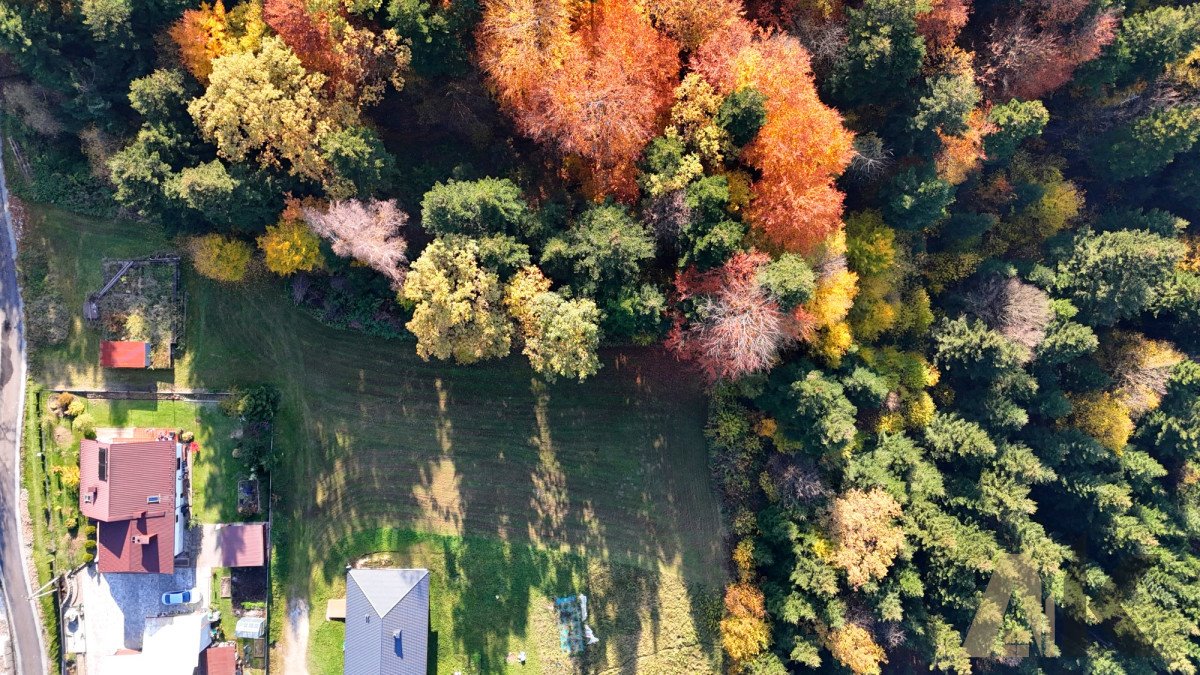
[(219, 257), (863, 523), (744, 630), (853, 647), (290, 246), (1102, 416)]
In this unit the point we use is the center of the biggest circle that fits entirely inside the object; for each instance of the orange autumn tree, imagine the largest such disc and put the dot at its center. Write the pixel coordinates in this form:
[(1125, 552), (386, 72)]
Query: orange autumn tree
[(600, 92), (520, 42), (963, 154), (200, 35), (800, 150)]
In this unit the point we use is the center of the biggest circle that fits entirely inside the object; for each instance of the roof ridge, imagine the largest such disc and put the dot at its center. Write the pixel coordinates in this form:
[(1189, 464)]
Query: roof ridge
[(400, 598)]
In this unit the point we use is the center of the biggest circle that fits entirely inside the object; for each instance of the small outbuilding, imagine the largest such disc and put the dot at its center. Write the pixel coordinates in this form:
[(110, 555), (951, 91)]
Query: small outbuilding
[(250, 628), (219, 660), (124, 354), (336, 609), (234, 545)]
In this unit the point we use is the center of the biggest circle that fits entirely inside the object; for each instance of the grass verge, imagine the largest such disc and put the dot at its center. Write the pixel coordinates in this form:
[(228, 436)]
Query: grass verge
[(33, 475)]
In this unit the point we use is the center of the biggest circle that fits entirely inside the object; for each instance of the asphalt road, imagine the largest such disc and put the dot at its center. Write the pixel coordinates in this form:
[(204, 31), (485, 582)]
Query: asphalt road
[(27, 636)]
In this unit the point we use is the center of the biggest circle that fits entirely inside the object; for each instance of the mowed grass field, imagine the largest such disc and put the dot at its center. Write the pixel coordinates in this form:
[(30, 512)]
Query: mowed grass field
[(611, 474)]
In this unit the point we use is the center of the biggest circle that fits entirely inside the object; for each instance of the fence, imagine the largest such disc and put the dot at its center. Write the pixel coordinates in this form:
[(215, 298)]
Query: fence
[(195, 396)]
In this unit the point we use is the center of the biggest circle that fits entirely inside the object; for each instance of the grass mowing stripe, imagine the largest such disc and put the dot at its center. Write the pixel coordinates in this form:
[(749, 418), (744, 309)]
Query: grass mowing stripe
[(613, 471)]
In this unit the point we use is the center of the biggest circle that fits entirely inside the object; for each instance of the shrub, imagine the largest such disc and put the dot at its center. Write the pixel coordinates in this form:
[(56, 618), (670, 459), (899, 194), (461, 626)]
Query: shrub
[(258, 403), (62, 401), (67, 475), (76, 408), (85, 424), (187, 437), (220, 258), (89, 545), (87, 558)]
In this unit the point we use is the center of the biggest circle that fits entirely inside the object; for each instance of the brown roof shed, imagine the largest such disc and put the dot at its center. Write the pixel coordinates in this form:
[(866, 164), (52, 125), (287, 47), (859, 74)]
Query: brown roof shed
[(219, 660)]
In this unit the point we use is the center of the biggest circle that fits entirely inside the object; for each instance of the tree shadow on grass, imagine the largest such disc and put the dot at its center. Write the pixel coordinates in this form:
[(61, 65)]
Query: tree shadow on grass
[(614, 469), (594, 471)]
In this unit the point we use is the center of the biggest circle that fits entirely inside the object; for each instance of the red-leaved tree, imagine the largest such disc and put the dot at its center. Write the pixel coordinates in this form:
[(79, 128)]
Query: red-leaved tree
[(736, 327), (1039, 49), (358, 62), (943, 22), (803, 146), (306, 33)]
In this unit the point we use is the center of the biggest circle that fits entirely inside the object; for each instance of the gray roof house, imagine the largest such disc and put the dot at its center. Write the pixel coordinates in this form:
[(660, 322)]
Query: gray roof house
[(387, 621)]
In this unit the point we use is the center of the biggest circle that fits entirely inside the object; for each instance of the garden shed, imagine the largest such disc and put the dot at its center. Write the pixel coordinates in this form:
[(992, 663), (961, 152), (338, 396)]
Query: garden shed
[(124, 354)]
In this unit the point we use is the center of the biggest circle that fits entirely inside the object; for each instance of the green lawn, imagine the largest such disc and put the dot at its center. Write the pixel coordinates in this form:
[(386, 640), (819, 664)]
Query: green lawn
[(612, 474), (491, 599), (215, 471)]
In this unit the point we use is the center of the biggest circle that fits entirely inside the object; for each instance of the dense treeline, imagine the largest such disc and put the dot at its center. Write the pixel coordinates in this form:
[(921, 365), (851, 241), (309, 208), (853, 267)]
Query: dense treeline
[(935, 258)]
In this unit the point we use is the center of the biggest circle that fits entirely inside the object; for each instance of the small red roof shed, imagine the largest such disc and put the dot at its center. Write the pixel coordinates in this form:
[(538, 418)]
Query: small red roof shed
[(114, 354), (219, 660)]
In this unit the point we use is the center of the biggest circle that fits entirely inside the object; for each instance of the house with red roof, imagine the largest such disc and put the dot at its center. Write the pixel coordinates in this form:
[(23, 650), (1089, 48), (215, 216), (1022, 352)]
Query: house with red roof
[(134, 490)]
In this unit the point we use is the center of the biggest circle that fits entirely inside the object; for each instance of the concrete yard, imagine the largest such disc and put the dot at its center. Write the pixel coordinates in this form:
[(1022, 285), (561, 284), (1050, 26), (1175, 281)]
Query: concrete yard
[(116, 605)]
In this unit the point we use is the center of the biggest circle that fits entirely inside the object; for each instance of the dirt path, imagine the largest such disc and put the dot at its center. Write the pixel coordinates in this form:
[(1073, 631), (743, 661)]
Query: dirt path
[(295, 638)]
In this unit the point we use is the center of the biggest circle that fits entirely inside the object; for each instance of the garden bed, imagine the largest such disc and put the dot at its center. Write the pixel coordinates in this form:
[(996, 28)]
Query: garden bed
[(144, 305)]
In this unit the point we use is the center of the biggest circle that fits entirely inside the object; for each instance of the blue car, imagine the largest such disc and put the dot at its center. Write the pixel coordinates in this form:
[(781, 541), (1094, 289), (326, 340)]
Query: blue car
[(179, 598)]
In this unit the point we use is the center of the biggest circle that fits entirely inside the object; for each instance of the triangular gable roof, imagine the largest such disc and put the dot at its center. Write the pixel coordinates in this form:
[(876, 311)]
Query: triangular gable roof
[(385, 588)]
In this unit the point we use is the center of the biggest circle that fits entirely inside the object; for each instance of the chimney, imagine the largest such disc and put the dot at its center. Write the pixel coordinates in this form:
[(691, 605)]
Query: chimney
[(142, 539)]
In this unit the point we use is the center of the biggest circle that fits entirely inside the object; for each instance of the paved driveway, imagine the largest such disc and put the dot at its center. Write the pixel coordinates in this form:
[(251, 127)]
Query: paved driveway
[(115, 606)]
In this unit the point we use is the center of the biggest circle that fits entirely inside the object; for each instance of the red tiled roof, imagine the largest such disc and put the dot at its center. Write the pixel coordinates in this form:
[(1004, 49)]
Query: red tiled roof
[(114, 354), (218, 660), (242, 545), (143, 545), (138, 472)]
